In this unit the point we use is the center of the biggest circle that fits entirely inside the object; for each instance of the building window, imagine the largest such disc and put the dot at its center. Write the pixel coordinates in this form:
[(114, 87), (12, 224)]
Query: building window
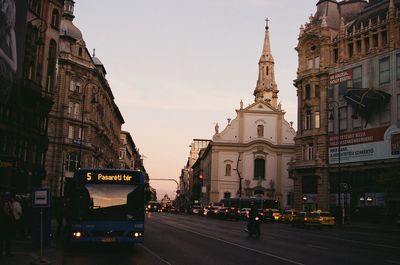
[(51, 67), (55, 18), (342, 88), (228, 169), (308, 92), (75, 86), (309, 152), (317, 92), (74, 132), (35, 6), (307, 120), (260, 130), (317, 119), (227, 195), (357, 77), (366, 40), (375, 39), (384, 70), (259, 168), (72, 162), (398, 66), (335, 55), (384, 38), (350, 49)]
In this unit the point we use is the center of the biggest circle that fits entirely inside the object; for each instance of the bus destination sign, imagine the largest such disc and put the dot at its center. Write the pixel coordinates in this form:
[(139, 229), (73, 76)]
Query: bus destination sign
[(97, 176)]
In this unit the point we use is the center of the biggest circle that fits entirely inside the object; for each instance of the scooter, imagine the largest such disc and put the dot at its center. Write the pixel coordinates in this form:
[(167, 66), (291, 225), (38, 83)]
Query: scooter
[(253, 227)]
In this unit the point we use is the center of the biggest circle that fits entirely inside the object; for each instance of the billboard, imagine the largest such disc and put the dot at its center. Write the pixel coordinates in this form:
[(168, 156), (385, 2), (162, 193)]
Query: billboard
[(12, 38), (366, 145), (340, 77)]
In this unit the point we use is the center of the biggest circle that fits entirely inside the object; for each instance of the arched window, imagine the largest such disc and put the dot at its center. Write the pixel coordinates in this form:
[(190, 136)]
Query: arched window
[(72, 162), (55, 18), (227, 195), (228, 169), (260, 130), (259, 168), (80, 52)]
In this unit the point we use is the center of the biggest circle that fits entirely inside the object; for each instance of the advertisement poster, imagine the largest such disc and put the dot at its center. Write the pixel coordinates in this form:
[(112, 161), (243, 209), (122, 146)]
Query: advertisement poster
[(12, 37), (340, 77), (365, 145)]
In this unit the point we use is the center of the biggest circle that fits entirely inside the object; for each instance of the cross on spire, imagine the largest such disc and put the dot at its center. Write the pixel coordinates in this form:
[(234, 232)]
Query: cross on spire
[(266, 24)]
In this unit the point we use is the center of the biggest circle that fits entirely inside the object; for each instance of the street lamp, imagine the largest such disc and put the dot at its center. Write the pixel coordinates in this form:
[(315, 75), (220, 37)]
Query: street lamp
[(332, 105), (93, 101)]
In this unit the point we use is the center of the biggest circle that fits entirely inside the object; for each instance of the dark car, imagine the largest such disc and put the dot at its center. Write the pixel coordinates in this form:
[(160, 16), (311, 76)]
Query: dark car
[(229, 213), (307, 219), (266, 215)]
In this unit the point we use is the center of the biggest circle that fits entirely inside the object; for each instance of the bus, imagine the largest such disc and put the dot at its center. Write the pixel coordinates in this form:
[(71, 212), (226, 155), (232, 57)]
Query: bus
[(105, 205)]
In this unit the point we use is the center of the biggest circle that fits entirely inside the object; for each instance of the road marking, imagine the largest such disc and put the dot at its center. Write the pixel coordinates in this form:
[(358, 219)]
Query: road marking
[(392, 261), (319, 247), (239, 246), (155, 255)]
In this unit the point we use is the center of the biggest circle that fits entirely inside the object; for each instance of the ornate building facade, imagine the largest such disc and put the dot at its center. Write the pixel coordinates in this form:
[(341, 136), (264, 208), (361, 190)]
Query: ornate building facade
[(85, 123), (29, 40), (347, 144), (249, 157)]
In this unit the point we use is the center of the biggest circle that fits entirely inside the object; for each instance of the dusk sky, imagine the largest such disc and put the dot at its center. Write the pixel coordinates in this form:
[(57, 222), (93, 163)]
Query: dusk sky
[(177, 67)]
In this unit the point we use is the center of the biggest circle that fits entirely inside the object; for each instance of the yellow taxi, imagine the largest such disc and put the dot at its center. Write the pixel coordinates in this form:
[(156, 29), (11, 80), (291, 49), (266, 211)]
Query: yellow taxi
[(276, 214), (327, 219), (287, 216)]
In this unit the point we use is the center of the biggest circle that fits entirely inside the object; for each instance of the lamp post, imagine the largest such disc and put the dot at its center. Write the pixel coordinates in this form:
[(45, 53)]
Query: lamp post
[(331, 107)]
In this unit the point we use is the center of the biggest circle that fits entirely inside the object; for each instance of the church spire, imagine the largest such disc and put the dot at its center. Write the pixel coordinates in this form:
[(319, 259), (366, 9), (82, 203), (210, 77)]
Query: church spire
[(266, 89)]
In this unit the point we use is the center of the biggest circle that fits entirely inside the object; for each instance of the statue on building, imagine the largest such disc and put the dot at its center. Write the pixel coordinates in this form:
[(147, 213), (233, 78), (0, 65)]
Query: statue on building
[(216, 128)]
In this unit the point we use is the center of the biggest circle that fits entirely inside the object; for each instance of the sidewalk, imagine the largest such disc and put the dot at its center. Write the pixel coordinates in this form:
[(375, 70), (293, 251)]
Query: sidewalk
[(24, 254)]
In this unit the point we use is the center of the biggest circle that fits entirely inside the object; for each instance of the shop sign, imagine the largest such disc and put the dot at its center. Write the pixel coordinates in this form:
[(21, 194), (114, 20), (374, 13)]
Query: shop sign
[(366, 145), (340, 77)]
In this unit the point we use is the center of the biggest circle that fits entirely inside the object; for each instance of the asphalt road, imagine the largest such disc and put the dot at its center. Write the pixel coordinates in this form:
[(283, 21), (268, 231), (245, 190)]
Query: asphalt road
[(184, 239)]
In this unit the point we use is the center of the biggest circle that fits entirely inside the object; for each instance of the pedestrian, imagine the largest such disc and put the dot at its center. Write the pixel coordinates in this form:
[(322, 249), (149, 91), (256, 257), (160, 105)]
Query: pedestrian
[(6, 224), (17, 213)]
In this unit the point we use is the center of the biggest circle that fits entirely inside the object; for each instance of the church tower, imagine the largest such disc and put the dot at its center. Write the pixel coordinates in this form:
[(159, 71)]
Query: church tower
[(266, 89)]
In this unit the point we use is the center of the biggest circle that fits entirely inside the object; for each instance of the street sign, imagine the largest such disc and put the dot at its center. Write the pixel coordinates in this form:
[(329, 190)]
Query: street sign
[(41, 198)]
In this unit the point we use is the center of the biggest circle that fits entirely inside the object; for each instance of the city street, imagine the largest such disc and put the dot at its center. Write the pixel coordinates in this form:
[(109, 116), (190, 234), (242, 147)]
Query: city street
[(186, 239)]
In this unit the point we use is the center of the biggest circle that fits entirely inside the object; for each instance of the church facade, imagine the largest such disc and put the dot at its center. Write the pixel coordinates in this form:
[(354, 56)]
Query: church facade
[(249, 157)]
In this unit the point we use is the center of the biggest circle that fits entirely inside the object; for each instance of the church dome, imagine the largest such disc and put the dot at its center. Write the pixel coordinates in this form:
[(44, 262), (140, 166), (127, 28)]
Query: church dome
[(68, 29)]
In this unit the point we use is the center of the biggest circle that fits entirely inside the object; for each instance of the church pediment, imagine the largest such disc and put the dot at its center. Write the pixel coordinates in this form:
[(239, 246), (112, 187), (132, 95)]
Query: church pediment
[(260, 106)]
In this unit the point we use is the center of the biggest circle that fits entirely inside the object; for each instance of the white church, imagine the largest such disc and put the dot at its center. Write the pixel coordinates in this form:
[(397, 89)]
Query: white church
[(249, 157)]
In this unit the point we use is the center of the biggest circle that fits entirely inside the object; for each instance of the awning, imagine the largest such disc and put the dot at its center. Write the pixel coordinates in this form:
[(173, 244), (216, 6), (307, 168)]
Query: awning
[(367, 98), (367, 101)]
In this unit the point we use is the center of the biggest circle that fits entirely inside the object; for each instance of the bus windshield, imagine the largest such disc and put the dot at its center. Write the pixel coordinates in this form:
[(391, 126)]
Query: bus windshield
[(109, 202)]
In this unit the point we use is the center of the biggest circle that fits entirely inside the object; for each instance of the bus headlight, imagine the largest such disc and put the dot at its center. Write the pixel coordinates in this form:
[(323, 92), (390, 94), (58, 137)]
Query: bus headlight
[(77, 234), (136, 234)]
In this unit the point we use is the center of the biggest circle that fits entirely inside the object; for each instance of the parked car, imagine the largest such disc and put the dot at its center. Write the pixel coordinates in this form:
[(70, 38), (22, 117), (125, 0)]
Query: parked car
[(307, 219), (288, 215), (327, 219)]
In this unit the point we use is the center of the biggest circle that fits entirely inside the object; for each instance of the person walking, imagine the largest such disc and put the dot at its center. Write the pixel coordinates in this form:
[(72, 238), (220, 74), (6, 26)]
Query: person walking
[(17, 213), (6, 224)]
